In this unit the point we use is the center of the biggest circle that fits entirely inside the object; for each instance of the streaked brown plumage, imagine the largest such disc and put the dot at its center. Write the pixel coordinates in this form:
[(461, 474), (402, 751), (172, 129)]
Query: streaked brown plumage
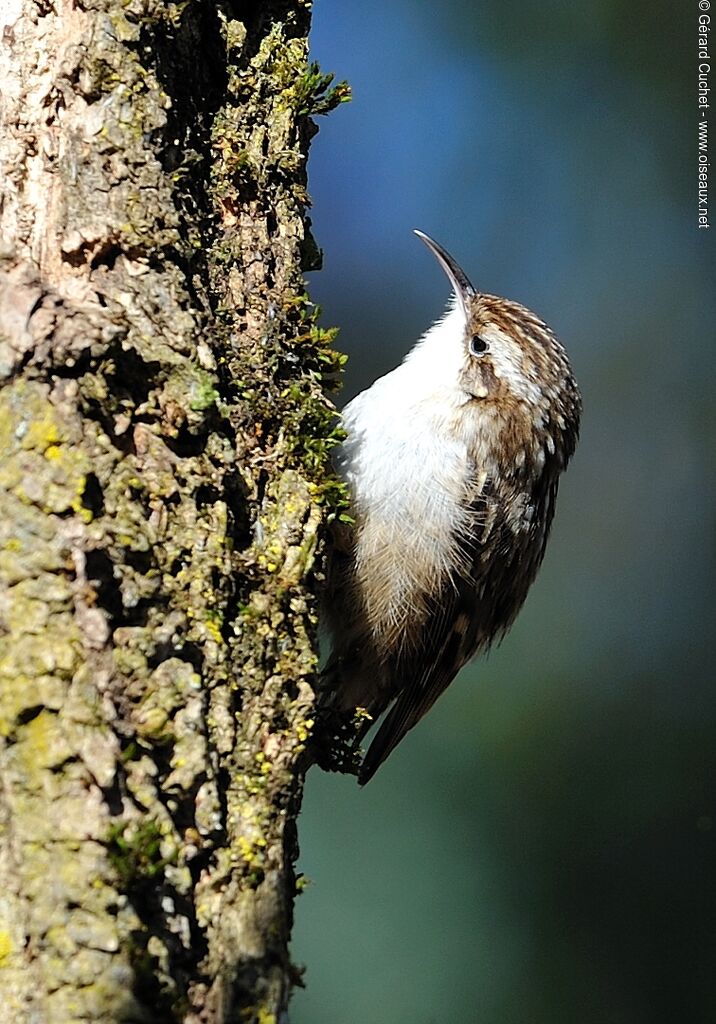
[(453, 462)]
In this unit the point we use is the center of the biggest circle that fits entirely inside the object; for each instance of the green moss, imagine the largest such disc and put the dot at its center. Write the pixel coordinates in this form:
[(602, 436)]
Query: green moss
[(311, 93), (203, 393), (135, 852)]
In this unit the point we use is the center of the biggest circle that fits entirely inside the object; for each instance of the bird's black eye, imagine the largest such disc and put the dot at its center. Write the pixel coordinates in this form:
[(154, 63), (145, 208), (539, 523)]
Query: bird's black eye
[(478, 345)]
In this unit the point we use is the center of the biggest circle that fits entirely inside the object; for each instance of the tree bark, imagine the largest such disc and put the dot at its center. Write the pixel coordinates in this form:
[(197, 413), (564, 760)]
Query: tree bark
[(164, 480)]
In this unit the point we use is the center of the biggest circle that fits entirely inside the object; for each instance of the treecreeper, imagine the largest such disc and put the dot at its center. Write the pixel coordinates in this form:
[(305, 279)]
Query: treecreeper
[(452, 461)]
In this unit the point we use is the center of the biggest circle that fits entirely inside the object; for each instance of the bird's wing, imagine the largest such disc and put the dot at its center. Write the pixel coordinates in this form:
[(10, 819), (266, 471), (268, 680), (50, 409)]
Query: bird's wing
[(453, 639), (476, 608), (453, 632)]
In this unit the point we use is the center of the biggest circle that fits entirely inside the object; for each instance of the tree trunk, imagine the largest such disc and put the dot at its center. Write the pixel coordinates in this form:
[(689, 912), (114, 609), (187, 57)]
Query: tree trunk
[(164, 441)]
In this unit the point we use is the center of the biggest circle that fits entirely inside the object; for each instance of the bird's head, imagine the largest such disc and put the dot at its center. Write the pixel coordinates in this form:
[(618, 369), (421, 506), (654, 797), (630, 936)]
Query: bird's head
[(509, 361)]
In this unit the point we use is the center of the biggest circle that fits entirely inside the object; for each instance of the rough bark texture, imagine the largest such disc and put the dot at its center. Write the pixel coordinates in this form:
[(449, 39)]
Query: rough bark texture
[(163, 447)]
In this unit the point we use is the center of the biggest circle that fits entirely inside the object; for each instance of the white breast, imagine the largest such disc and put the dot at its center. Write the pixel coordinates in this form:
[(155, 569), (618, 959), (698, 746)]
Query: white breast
[(406, 467)]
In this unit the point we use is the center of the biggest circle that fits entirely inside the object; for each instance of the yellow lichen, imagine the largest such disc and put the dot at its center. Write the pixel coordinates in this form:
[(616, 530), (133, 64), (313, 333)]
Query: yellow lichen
[(251, 851), (303, 729), (42, 432), (213, 631), (6, 946)]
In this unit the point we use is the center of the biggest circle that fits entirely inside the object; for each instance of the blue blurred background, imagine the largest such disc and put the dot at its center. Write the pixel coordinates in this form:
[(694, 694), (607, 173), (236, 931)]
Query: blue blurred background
[(542, 848)]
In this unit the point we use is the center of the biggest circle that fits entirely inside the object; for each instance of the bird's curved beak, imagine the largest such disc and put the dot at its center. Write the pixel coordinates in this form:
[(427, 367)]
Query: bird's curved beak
[(459, 280)]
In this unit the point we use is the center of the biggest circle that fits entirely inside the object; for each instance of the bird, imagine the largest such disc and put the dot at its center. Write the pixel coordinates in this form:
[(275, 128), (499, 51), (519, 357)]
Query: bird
[(452, 462)]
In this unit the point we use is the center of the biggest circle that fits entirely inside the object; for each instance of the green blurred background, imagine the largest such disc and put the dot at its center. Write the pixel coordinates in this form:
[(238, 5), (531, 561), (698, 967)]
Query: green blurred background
[(542, 847)]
